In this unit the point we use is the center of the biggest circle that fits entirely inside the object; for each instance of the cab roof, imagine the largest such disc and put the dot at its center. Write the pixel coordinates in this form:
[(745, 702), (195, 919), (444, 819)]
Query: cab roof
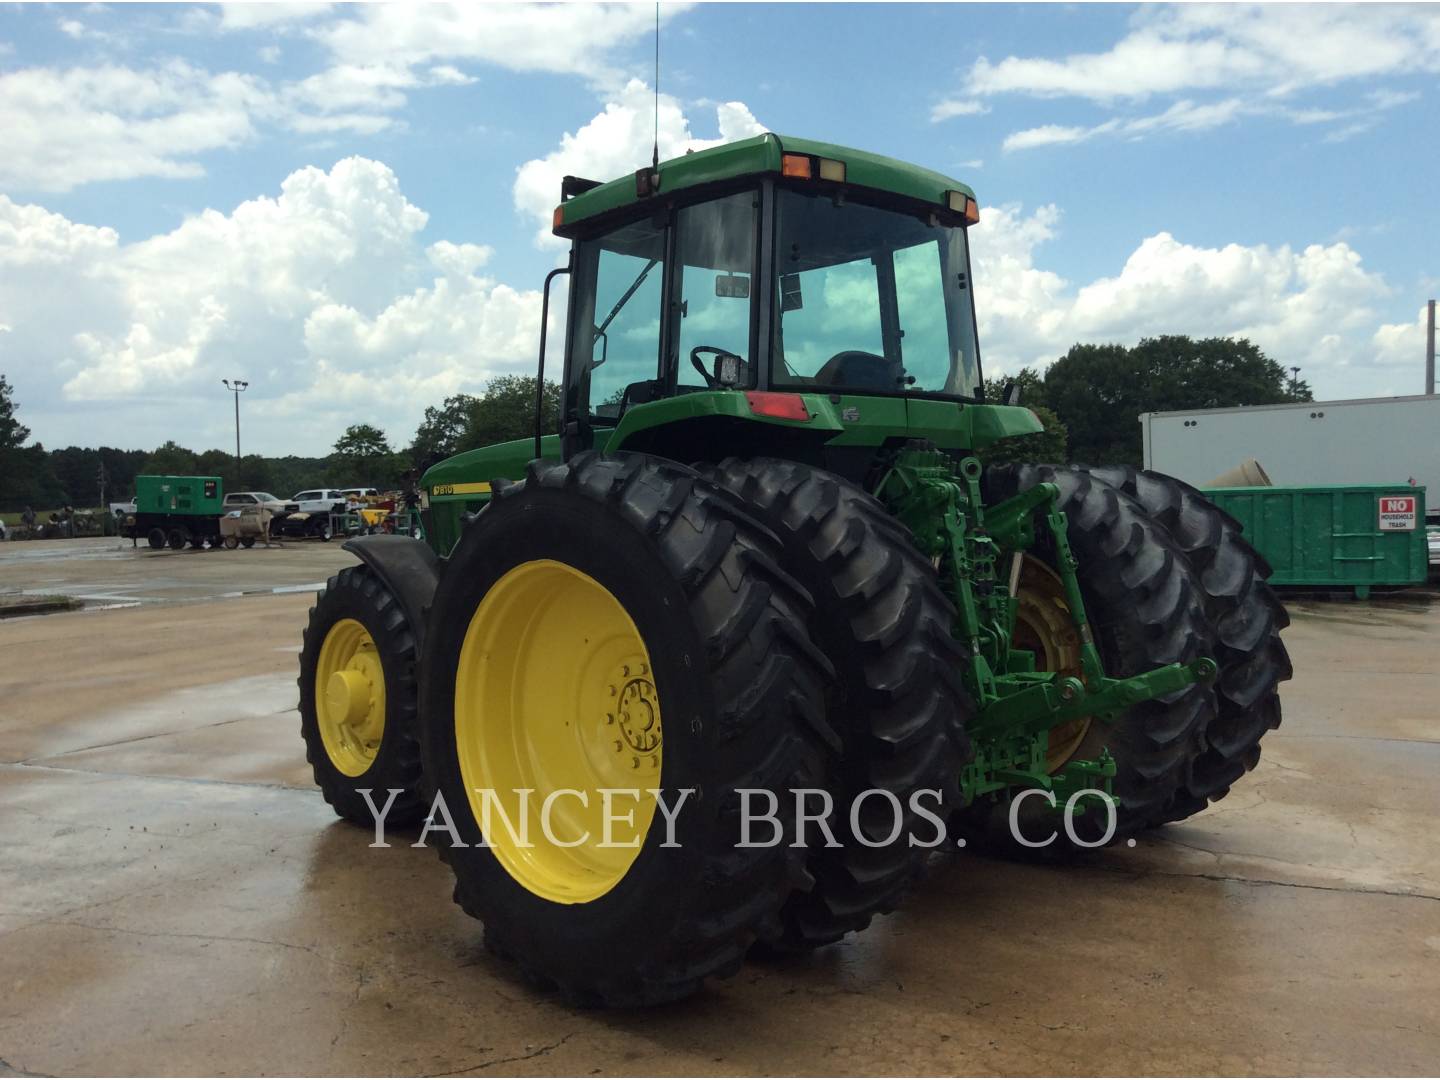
[(753, 157)]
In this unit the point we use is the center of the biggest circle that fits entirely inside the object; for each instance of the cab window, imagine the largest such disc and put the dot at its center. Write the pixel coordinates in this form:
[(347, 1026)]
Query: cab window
[(715, 268), (615, 344)]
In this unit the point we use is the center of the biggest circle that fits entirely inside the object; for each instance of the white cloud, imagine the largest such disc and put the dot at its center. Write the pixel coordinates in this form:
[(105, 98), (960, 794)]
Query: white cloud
[(1276, 48), (1051, 135), (1259, 57), (255, 16), (323, 296), (566, 38), (619, 140), (952, 107), (1402, 344), (66, 128), (1317, 307), (1188, 116)]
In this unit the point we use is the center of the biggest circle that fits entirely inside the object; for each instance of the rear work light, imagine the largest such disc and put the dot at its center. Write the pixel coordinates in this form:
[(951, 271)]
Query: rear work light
[(963, 205), (780, 406), (805, 167), (796, 165)]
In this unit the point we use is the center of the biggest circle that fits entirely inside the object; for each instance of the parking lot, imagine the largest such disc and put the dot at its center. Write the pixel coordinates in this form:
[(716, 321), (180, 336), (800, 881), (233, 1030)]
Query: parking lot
[(175, 897)]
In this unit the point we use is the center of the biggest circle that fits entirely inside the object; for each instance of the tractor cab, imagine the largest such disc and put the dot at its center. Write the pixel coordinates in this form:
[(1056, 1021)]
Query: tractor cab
[(771, 266)]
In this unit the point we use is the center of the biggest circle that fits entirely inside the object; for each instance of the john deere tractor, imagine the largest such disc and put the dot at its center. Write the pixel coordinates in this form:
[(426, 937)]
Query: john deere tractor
[(716, 665)]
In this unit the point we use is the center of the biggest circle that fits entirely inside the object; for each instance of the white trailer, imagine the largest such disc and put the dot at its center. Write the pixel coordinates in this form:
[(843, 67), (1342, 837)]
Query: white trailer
[(1313, 443)]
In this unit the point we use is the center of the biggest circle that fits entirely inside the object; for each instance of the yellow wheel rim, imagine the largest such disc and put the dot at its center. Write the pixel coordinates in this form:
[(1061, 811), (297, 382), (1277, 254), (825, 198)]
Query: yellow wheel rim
[(1044, 627), (555, 704), (350, 697)]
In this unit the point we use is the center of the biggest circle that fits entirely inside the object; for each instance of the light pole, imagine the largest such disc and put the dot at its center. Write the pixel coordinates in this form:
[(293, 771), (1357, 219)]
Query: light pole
[(237, 388), (1294, 381)]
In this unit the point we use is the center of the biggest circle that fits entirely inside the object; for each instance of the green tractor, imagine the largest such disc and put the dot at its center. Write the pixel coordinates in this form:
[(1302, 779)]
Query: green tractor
[(718, 664)]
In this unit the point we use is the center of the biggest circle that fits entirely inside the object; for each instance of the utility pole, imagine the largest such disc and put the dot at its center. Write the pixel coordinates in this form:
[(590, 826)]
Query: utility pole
[(1430, 351), (1294, 381), (237, 388)]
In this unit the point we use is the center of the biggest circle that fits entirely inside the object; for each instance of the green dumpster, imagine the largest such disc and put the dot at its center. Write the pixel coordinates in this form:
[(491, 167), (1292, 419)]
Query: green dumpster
[(1355, 536)]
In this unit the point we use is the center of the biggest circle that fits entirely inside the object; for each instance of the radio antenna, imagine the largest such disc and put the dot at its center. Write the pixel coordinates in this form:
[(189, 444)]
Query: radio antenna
[(655, 156)]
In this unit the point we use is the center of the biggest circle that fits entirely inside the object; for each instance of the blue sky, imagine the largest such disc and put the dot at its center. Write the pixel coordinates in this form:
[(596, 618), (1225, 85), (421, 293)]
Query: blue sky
[(344, 205)]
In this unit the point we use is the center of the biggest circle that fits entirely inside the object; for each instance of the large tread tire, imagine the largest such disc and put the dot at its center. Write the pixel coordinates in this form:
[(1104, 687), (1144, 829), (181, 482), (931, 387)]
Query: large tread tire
[(1145, 607), (897, 701), (1246, 614), (741, 691), (356, 592)]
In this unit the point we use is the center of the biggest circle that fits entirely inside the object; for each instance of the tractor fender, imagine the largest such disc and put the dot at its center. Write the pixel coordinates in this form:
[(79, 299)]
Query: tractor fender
[(409, 569)]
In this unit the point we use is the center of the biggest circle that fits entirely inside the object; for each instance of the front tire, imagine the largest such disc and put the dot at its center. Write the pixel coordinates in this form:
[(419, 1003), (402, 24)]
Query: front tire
[(358, 699), (897, 701), (614, 623)]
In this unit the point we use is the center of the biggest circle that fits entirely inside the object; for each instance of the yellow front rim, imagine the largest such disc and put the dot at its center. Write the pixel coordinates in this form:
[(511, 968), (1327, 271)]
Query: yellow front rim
[(350, 697), (555, 705), (1043, 626)]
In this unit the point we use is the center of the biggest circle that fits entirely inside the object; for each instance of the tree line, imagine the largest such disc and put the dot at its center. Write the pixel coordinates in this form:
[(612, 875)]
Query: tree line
[(363, 456), (1089, 401)]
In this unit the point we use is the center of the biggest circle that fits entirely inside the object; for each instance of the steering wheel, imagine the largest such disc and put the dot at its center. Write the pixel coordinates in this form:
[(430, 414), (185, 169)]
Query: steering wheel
[(710, 381)]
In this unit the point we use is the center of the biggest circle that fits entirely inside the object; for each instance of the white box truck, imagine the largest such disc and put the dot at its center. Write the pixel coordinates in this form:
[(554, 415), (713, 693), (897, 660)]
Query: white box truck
[(1313, 443)]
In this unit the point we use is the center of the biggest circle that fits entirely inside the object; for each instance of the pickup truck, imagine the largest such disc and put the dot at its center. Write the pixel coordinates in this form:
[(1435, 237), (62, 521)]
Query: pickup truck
[(308, 513)]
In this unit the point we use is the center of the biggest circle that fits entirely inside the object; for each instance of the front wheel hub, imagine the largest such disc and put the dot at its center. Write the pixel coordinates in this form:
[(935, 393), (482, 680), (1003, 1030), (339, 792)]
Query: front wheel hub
[(350, 697)]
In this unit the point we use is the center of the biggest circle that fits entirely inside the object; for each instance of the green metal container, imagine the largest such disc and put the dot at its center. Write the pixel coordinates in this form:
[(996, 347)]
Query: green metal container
[(1334, 536), (178, 495)]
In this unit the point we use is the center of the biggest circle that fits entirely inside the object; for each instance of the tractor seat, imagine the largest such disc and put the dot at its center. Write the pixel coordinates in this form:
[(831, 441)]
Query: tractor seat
[(860, 369)]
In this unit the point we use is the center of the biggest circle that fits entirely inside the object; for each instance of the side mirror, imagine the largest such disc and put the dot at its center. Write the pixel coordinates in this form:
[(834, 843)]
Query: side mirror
[(791, 298), (736, 286)]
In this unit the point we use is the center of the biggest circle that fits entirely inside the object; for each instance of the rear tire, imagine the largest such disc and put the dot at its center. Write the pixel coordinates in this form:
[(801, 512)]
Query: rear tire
[(176, 538), (1145, 609), (1247, 617), (736, 686), (337, 750), (247, 541), (897, 701), (155, 538)]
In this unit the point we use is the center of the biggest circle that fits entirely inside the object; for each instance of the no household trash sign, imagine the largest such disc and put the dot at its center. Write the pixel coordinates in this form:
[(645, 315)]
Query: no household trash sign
[(1397, 513)]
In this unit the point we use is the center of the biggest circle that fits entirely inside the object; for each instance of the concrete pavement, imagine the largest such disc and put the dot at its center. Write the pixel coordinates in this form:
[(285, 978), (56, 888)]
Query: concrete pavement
[(176, 898)]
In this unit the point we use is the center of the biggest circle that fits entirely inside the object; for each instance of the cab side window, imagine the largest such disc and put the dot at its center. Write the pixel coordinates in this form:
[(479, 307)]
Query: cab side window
[(616, 340)]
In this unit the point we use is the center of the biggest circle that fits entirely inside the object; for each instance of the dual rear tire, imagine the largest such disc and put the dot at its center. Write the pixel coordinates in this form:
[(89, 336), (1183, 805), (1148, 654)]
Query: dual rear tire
[(1184, 751)]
